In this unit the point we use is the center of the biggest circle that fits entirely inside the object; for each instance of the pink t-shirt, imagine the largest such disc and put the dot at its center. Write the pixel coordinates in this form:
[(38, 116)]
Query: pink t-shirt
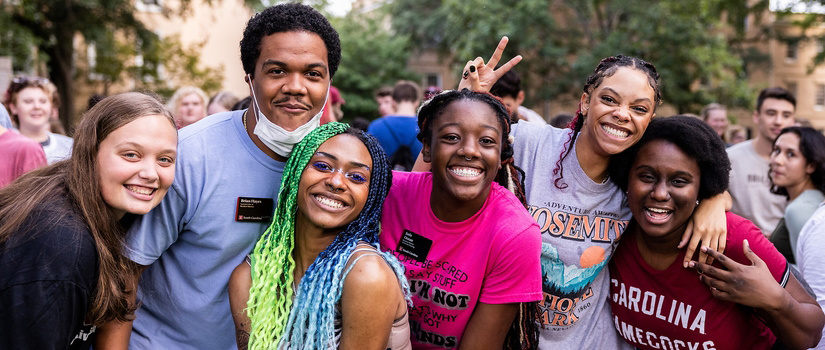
[(672, 308), (492, 257), (18, 155)]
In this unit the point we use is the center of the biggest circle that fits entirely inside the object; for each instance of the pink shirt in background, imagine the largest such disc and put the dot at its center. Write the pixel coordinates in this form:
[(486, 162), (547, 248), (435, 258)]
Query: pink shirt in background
[(492, 257), (18, 155)]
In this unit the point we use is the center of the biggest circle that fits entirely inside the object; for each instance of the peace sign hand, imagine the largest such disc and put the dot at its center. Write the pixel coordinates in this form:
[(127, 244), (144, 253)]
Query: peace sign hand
[(480, 76)]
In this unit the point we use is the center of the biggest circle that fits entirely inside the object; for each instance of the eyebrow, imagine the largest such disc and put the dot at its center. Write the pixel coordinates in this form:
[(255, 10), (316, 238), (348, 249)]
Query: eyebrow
[(137, 145), (271, 62), (327, 155), (678, 172), (636, 100), (486, 126)]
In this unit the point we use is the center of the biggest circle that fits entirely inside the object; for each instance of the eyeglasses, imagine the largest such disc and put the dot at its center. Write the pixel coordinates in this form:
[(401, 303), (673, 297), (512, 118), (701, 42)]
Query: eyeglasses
[(22, 82), (324, 167)]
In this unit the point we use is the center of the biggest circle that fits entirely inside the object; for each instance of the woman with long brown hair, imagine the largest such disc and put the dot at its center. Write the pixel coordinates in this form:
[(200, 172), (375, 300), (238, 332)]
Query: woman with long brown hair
[(62, 268)]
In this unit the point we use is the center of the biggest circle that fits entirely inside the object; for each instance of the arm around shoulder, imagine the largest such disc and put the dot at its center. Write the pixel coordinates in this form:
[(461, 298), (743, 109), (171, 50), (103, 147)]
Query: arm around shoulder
[(115, 334)]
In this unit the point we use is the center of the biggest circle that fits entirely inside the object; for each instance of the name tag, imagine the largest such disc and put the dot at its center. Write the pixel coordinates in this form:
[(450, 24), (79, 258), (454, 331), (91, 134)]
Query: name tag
[(251, 209), (414, 246)]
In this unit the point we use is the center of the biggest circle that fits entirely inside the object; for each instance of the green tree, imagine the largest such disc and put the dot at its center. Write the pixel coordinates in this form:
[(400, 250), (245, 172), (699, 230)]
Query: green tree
[(51, 26), (562, 41), (371, 56)]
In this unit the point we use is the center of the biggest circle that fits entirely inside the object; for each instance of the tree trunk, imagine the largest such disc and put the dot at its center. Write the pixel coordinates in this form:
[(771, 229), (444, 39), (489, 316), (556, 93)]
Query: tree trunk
[(61, 73)]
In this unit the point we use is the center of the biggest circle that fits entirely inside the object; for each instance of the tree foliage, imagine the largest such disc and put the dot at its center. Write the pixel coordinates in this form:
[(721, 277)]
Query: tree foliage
[(43, 32), (562, 41), (371, 56)]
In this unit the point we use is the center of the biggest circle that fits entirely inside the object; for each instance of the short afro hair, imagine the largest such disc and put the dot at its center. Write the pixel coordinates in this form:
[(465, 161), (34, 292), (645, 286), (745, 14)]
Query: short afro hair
[(287, 18), (693, 137)]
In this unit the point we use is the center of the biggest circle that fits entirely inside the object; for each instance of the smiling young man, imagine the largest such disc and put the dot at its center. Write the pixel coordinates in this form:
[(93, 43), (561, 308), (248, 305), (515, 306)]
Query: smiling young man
[(750, 160), (228, 175)]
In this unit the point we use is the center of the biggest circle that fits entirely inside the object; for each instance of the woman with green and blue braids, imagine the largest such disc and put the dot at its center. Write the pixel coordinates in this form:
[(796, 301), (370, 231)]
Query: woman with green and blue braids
[(315, 279)]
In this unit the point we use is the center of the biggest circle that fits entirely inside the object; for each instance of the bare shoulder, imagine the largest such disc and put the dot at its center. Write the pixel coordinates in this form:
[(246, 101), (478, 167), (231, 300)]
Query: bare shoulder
[(368, 271)]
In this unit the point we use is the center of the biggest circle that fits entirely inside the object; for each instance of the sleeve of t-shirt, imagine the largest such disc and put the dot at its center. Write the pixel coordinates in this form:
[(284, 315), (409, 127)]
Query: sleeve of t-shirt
[(809, 252), (527, 139), (153, 233), (796, 219), (739, 230), (516, 273)]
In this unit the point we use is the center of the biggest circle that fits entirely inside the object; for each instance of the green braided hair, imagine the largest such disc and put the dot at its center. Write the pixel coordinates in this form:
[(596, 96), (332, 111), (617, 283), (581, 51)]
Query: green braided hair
[(307, 322)]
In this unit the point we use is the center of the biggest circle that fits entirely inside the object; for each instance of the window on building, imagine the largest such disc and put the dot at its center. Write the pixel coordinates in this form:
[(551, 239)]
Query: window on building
[(820, 96), (433, 79), (792, 52), (791, 86)]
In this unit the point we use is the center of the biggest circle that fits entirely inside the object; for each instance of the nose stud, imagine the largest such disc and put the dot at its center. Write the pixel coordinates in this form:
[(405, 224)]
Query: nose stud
[(468, 158)]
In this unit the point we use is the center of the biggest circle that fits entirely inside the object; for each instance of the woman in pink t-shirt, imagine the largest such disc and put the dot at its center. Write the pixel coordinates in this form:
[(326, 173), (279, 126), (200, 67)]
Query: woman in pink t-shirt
[(470, 248)]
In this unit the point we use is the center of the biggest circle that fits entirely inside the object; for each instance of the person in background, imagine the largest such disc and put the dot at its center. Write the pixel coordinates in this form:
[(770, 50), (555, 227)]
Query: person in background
[(360, 123), (242, 104), (750, 187), (332, 110), (383, 97), (561, 120), (188, 105), (63, 272), (93, 100), (508, 88), (32, 102), (716, 115), (397, 133), (221, 102), (735, 134), (18, 155), (5, 120), (797, 171)]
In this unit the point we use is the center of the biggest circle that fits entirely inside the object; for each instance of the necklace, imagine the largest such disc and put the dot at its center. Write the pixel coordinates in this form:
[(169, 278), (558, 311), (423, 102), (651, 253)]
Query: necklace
[(244, 120)]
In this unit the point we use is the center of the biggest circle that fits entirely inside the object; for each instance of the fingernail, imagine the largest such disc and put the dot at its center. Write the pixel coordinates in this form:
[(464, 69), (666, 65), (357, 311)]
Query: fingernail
[(691, 264), (466, 74), (473, 69), (704, 249)]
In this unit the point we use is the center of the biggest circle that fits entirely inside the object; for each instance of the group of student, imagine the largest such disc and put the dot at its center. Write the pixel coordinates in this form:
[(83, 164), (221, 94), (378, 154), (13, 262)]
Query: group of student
[(300, 236)]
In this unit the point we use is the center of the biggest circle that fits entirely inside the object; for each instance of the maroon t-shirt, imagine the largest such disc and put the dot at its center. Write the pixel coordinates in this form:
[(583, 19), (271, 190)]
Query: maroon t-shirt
[(672, 308)]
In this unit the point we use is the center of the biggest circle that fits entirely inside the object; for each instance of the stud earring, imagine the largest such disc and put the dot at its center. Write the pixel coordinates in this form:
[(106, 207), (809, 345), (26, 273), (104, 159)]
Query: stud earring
[(697, 202)]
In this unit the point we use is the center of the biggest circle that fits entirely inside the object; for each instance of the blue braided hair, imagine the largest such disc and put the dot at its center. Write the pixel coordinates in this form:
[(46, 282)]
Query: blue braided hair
[(310, 320)]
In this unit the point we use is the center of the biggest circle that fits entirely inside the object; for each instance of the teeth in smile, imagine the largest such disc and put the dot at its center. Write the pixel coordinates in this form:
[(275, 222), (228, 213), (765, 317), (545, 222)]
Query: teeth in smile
[(614, 132), (140, 189), (659, 211), (330, 202), (468, 172)]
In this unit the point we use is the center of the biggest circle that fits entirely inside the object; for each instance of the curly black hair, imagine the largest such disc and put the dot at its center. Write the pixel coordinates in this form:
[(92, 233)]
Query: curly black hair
[(693, 137), (812, 147), (286, 18)]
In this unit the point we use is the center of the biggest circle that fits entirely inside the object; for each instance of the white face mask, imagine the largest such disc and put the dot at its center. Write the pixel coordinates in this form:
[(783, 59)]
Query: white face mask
[(275, 137)]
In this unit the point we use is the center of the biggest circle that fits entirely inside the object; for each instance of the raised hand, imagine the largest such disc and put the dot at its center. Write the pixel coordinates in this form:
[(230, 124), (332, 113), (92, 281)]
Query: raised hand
[(480, 76)]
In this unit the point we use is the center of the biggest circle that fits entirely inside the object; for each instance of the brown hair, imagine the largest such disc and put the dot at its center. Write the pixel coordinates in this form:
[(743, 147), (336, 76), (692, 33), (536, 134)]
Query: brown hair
[(77, 179), (21, 82)]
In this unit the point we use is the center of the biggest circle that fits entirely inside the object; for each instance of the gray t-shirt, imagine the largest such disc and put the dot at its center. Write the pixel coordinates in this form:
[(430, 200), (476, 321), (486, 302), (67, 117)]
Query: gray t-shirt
[(750, 188), (580, 226), (58, 147), (808, 252)]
